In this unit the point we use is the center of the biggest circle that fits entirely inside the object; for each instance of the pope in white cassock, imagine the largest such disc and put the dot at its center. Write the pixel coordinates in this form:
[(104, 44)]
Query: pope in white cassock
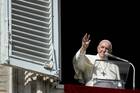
[(94, 70)]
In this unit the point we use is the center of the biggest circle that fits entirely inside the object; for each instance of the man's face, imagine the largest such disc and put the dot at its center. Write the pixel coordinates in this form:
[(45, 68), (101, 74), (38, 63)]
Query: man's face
[(102, 49)]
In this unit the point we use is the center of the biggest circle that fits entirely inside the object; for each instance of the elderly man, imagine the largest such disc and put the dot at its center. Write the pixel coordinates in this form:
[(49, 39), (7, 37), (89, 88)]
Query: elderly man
[(94, 70)]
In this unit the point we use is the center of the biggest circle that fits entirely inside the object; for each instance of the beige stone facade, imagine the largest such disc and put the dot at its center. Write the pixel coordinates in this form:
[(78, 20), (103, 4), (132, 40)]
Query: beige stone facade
[(4, 79)]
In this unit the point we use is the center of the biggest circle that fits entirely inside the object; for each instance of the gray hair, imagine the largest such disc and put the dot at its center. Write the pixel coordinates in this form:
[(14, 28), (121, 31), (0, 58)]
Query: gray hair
[(107, 41)]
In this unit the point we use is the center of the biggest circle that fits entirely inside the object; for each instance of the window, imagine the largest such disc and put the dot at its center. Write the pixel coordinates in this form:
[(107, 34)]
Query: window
[(30, 35)]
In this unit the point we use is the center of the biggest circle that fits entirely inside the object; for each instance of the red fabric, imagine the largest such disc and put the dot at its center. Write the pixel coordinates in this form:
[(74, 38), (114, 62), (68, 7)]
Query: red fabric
[(73, 88)]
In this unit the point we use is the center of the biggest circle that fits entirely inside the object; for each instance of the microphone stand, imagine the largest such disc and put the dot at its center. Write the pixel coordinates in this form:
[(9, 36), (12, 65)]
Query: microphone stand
[(124, 60)]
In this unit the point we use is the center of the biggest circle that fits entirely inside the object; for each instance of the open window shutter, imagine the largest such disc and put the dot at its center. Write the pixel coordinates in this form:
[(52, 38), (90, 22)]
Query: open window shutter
[(33, 36)]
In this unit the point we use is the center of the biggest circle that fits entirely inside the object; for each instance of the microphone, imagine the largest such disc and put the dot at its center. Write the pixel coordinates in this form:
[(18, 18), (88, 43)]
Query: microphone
[(113, 56), (110, 55), (124, 60)]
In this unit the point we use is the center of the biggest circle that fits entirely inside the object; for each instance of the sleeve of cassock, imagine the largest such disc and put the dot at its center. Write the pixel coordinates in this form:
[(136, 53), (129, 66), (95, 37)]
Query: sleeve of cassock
[(83, 68)]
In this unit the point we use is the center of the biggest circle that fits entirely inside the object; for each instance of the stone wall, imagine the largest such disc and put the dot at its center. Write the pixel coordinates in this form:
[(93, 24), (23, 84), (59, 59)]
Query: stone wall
[(4, 79)]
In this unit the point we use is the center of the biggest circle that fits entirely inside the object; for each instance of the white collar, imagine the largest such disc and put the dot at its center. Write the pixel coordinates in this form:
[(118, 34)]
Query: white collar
[(98, 57)]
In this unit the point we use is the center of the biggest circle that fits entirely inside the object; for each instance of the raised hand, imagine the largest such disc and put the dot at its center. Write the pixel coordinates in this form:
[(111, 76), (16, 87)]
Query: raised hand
[(85, 42)]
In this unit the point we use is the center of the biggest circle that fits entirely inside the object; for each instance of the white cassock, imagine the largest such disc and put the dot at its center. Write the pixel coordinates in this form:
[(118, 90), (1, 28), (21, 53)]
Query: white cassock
[(102, 70)]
